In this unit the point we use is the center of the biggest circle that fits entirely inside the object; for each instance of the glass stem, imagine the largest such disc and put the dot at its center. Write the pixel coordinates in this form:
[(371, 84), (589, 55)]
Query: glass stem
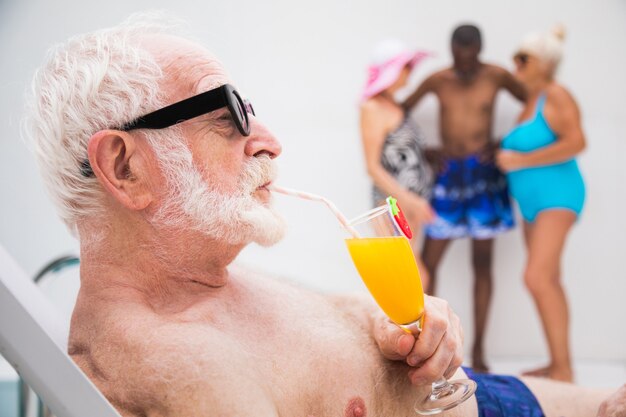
[(441, 388)]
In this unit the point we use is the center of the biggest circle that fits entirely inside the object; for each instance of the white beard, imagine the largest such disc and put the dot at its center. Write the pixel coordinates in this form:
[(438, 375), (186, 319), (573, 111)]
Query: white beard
[(237, 218)]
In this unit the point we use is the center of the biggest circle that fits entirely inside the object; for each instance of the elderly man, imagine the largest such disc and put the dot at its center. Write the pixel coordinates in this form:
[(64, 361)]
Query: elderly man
[(161, 169)]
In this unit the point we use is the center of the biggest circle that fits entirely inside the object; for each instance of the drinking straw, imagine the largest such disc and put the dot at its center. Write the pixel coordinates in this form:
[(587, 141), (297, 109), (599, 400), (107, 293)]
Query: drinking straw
[(314, 197)]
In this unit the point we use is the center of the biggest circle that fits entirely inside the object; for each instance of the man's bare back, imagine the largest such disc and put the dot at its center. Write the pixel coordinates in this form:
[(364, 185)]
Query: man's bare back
[(281, 351)]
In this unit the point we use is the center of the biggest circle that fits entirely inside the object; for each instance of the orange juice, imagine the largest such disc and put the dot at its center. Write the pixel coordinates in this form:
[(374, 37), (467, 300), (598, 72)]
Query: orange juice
[(388, 269)]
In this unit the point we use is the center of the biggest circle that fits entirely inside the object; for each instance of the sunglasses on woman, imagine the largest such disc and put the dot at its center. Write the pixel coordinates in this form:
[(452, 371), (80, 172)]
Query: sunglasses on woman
[(522, 58), (203, 103)]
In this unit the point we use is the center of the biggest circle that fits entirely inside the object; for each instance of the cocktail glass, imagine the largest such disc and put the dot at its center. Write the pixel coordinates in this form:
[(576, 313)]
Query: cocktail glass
[(384, 259)]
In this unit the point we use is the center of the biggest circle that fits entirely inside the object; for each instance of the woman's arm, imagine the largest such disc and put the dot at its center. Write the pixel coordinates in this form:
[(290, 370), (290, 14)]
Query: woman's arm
[(374, 130), (563, 116)]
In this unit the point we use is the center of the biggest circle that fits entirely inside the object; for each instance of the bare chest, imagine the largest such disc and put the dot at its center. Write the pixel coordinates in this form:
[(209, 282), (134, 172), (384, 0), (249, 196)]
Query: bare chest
[(311, 359), (473, 99), (297, 353)]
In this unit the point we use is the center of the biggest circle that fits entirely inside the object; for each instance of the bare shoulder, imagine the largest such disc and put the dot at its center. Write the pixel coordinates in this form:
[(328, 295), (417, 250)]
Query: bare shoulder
[(560, 105), (559, 95), (437, 77), (494, 69), (495, 72), (378, 114), (370, 106)]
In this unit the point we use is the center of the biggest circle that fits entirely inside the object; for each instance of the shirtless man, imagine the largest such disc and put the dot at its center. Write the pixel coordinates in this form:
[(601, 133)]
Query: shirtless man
[(163, 196), (470, 194)]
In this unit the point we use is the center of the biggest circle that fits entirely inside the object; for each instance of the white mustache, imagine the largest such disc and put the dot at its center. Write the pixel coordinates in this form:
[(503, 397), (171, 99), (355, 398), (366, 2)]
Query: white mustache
[(258, 172)]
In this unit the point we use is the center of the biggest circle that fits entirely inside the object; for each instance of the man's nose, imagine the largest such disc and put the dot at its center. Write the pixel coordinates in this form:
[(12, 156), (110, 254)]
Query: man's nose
[(261, 141)]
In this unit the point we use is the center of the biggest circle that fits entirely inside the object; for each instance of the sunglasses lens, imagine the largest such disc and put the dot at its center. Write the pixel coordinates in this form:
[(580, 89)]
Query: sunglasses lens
[(522, 58), (242, 116), (249, 107), (239, 110)]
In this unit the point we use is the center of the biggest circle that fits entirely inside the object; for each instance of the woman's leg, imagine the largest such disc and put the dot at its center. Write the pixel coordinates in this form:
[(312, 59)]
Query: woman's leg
[(542, 278), (528, 232)]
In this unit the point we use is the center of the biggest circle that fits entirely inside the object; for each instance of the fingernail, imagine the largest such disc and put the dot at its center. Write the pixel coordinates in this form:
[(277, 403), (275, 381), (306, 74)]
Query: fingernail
[(412, 360)]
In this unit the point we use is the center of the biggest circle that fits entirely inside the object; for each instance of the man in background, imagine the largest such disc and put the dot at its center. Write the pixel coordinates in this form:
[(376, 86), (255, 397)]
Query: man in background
[(470, 194)]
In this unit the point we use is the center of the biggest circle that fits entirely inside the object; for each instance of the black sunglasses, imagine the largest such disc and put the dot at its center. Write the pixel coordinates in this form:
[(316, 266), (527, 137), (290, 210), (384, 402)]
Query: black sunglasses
[(203, 103)]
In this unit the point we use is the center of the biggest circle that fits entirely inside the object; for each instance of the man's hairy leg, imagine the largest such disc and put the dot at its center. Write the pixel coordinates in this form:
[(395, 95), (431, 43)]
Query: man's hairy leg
[(564, 399)]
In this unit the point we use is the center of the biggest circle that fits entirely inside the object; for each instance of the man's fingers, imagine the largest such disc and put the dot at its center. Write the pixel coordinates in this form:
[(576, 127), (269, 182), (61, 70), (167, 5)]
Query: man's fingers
[(393, 342), (438, 350), (436, 365), (435, 327), (455, 362)]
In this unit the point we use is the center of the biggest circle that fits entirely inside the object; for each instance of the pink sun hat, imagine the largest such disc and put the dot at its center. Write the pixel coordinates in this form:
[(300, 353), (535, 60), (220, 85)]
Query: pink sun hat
[(388, 60)]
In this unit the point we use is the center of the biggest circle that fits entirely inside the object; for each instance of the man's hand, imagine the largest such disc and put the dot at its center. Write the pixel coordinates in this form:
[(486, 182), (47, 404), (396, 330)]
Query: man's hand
[(437, 351), (436, 159), (488, 153), (615, 405)]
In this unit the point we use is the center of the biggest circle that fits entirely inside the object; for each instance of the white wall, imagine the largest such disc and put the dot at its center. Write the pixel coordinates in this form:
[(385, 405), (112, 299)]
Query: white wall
[(303, 64)]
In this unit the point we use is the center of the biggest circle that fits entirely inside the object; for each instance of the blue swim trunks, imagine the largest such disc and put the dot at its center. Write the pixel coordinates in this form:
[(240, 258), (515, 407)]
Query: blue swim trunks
[(471, 199), (503, 396)]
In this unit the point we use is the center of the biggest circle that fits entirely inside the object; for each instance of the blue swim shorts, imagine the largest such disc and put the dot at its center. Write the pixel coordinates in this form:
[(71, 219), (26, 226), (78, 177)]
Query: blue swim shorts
[(471, 199), (503, 396)]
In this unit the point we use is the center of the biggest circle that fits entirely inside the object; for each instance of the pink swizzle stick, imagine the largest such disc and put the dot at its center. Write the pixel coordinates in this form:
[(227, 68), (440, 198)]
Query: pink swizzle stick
[(313, 197)]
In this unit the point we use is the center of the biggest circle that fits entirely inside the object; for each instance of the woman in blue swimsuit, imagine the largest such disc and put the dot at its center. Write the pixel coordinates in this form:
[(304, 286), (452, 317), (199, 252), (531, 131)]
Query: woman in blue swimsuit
[(538, 156)]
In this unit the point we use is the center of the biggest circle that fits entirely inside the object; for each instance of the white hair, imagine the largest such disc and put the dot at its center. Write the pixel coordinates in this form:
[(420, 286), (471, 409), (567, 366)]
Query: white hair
[(91, 82), (548, 46)]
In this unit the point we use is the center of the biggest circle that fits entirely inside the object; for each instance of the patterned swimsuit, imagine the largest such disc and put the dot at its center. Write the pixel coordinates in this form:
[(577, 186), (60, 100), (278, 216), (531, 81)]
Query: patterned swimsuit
[(402, 157)]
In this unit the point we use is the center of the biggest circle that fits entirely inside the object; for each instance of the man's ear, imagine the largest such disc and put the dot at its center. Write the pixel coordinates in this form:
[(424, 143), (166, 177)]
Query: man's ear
[(111, 154)]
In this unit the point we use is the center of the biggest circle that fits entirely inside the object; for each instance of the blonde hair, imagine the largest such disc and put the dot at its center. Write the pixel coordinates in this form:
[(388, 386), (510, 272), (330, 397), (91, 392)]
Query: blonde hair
[(548, 46), (94, 81)]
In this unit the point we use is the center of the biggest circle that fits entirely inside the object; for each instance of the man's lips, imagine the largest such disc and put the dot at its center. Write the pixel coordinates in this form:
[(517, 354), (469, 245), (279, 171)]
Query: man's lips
[(265, 186)]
